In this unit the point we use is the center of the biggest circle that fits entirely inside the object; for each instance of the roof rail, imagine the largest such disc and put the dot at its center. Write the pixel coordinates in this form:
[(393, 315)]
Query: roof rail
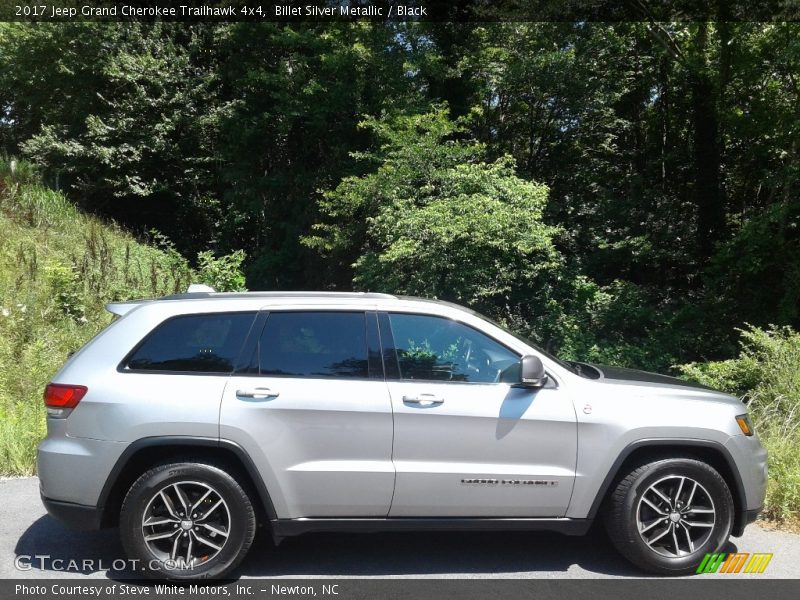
[(199, 287), (198, 291)]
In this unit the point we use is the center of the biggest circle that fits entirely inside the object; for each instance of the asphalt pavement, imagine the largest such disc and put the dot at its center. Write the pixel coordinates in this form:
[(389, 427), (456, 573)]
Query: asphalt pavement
[(34, 546)]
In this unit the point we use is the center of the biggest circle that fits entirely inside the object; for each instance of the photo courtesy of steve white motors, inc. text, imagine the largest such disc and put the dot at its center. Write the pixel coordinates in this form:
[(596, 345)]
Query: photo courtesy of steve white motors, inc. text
[(170, 590)]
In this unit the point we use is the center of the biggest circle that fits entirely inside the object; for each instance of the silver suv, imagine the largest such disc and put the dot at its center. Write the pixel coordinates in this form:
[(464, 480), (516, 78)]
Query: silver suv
[(194, 418)]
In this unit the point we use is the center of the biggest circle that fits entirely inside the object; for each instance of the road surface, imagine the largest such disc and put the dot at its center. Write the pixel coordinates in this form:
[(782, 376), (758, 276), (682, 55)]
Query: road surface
[(27, 531)]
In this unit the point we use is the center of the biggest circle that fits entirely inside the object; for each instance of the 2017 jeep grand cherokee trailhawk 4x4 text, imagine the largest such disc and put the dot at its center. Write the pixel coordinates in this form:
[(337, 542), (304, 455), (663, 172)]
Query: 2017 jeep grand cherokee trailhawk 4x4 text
[(194, 417)]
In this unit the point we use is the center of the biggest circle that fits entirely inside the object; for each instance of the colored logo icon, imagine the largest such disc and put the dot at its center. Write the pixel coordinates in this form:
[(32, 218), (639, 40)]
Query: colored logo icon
[(735, 562)]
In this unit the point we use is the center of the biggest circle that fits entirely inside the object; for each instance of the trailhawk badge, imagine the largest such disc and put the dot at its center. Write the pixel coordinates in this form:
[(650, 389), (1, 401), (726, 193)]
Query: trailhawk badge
[(539, 482)]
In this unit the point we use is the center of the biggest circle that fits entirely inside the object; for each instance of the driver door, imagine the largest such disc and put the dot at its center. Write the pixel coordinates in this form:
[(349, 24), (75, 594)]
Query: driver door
[(467, 443)]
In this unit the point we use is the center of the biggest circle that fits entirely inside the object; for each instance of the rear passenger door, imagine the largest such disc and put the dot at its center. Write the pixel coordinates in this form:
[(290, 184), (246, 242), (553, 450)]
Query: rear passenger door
[(312, 409)]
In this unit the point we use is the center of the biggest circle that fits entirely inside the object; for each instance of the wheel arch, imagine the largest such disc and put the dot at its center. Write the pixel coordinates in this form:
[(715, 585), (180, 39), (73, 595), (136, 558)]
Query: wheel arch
[(145, 453), (649, 450)]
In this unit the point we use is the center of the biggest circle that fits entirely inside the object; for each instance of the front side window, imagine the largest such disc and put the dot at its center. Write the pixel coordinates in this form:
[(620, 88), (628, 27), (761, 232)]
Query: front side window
[(193, 343), (439, 349), (314, 344)]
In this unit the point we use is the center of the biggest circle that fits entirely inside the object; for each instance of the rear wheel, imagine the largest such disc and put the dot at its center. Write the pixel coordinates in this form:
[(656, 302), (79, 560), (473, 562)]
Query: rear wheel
[(666, 515), (187, 521)]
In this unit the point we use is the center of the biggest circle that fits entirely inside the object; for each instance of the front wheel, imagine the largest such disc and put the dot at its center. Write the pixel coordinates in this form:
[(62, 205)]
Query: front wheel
[(186, 520), (666, 515)]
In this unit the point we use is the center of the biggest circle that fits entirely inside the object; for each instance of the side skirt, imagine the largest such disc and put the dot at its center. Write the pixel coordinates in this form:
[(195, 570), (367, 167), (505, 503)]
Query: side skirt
[(282, 528)]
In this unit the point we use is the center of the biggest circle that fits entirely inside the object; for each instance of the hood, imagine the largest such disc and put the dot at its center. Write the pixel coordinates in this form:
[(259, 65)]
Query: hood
[(622, 374), (653, 385)]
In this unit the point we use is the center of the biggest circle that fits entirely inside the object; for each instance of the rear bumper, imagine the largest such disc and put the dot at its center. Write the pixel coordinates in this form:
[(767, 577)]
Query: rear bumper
[(74, 469), (78, 517)]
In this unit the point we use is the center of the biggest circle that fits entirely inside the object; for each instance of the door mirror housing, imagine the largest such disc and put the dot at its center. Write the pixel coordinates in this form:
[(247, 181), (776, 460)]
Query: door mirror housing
[(532, 374)]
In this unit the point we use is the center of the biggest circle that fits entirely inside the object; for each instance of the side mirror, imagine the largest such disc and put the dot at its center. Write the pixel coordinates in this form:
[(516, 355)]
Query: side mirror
[(532, 372)]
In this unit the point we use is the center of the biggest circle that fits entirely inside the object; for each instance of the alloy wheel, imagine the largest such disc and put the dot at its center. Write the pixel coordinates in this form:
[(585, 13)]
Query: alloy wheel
[(187, 522), (675, 516)]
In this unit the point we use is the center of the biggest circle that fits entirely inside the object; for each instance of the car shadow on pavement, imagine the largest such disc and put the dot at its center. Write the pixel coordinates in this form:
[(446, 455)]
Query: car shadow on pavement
[(434, 553), (457, 554), (48, 546)]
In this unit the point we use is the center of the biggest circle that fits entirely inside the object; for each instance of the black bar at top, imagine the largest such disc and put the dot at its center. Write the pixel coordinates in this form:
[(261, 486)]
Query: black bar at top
[(401, 10)]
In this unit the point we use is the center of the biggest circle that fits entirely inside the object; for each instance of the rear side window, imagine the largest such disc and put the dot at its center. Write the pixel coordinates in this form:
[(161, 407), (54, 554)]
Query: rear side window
[(194, 344), (314, 344)]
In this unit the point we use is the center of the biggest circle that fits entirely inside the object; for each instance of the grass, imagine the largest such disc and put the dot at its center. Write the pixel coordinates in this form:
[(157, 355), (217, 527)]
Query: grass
[(58, 267)]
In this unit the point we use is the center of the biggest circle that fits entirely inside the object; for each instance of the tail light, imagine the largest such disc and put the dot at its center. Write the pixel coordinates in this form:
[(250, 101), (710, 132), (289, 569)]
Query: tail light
[(60, 399)]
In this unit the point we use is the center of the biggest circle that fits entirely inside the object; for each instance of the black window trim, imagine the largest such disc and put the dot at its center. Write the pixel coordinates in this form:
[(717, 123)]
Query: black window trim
[(388, 335), (249, 355), (375, 368), (123, 368), (391, 365), (253, 345)]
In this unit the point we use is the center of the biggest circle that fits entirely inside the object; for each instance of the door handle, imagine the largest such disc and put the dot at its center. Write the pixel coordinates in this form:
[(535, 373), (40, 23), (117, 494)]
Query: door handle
[(257, 393), (423, 400)]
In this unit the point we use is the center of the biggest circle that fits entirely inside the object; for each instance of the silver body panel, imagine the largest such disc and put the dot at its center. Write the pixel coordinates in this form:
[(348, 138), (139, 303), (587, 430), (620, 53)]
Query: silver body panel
[(522, 442), (354, 448), (323, 447)]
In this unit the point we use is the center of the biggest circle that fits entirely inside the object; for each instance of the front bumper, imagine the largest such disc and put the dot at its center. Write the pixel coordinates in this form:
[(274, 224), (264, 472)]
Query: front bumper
[(78, 517), (750, 460)]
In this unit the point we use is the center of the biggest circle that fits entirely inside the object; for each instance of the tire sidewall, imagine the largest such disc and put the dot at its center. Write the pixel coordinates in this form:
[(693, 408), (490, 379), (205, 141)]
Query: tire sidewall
[(720, 495), (140, 494)]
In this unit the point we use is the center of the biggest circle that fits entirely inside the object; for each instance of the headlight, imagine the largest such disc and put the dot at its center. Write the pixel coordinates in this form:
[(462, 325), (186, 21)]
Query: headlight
[(744, 424)]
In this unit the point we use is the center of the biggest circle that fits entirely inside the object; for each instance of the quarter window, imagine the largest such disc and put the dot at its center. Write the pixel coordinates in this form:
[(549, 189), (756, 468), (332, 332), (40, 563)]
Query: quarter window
[(314, 344), (439, 349), (194, 343)]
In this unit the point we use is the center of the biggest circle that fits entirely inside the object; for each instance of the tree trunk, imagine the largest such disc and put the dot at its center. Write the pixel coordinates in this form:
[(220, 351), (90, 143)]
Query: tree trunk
[(709, 194)]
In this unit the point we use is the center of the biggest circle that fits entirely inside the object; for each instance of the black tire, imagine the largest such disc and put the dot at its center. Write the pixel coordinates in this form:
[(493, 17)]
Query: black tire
[(193, 479), (625, 507)]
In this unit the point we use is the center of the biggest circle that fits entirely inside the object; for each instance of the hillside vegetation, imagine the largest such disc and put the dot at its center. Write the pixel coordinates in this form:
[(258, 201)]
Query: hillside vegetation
[(58, 267)]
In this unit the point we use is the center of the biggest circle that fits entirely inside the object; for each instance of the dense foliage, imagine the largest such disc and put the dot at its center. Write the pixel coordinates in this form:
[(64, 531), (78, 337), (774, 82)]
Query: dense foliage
[(57, 269), (622, 192)]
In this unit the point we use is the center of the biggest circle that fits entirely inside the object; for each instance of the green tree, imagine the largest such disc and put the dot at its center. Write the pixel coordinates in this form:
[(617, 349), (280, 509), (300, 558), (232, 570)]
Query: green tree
[(435, 219)]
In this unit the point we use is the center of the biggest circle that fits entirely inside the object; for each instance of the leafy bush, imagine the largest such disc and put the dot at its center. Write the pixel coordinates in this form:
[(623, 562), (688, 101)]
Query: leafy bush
[(68, 289), (767, 375), (223, 273), (611, 324)]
